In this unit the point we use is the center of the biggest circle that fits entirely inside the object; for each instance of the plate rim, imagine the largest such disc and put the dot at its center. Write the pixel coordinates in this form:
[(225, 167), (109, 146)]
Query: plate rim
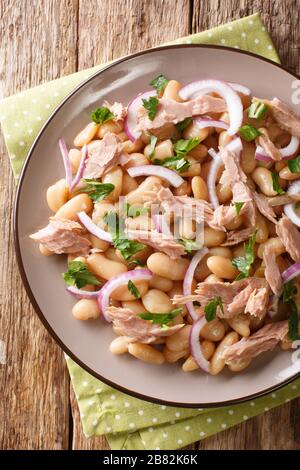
[(18, 252)]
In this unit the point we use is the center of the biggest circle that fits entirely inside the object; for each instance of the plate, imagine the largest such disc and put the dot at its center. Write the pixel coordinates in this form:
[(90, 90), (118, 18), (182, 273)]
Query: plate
[(88, 342)]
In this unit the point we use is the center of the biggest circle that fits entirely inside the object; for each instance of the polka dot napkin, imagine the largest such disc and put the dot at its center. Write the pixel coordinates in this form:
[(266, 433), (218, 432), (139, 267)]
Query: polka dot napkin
[(130, 423)]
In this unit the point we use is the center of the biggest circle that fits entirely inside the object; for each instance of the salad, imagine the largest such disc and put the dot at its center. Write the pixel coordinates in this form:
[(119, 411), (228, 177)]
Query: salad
[(179, 215)]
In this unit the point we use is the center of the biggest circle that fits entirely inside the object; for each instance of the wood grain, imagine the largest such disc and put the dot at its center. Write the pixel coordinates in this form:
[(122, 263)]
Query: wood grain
[(44, 39)]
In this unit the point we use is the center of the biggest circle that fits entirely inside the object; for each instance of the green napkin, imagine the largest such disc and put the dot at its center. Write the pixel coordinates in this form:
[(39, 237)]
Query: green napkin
[(130, 423)]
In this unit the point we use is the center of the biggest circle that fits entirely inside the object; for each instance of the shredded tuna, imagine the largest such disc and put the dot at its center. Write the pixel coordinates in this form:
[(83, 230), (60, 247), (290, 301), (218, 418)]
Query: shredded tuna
[(263, 206), (270, 149), (158, 241), (118, 110), (272, 273), (131, 325), (263, 340), (284, 115), (171, 111), (63, 236), (235, 296), (290, 237), (235, 237), (103, 157)]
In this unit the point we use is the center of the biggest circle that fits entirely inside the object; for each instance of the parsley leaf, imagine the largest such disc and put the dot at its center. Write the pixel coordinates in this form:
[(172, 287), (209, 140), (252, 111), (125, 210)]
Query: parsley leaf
[(249, 133), (153, 140), (128, 248), (180, 126), (135, 211), (294, 165), (101, 115), (190, 245), (276, 185), (257, 110), (243, 263), (238, 206), (289, 290), (97, 190), (133, 290), (161, 318), (210, 309), (151, 106), (159, 83), (78, 275), (293, 322), (176, 163), (183, 147)]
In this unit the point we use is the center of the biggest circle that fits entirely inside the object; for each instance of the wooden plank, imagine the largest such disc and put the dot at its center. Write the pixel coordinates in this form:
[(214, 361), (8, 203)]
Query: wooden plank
[(38, 43), (282, 21), (108, 30)]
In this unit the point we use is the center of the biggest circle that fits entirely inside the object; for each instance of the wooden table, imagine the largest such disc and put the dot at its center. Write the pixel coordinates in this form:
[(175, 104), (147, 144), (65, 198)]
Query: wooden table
[(41, 40)]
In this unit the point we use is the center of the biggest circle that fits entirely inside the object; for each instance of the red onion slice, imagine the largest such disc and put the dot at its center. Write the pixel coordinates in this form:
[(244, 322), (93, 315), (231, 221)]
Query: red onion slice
[(156, 170), (117, 281), (206, 121), (232, 99), (290, 273), (161, 225), (83, 294), (93, 228), (188, 279), (81, 168), (286, 152), (195, 345), (66, 161), (290, 209), (131, 120)]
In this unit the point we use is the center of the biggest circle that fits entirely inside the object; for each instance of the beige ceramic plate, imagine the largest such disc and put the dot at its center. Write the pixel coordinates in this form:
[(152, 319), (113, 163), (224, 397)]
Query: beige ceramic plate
[(88, 342)]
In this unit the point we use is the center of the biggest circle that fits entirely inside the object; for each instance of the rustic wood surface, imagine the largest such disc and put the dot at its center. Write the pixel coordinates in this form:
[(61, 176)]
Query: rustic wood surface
[(41, 40)]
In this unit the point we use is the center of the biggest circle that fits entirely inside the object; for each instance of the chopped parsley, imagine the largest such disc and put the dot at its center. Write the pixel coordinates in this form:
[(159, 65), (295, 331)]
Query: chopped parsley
[(289, 291), (249, 133), (151, 106), (78, 275), (176, 163), (133, 290), (183, 147), (161, 318), (134, 211), (238, 206), (180, 126), (101, 115), (294, 165), (276, 186), (159, 83), (210, 309), (96, 190), (243, 263), (257, 110), (153, 140), (190, 245)]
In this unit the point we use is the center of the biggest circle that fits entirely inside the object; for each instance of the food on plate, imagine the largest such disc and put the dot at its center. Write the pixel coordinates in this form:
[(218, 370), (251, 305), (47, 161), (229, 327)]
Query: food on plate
[(179, 214)]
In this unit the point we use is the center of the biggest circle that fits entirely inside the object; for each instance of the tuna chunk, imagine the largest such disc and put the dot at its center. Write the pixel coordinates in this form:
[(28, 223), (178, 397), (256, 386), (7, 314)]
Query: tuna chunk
[(272, 273), (171, 111), (284, 115), (127, 323), (237, 236), (118, 110), (263, 340), (235, 296), (158, 241), (263, 206), (104, 157), (63, 236), (265, 142), (290, 237)]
